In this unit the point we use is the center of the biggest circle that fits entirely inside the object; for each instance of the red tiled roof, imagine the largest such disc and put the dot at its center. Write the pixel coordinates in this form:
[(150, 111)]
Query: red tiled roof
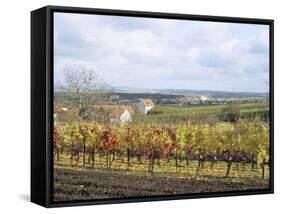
[(148, 102)]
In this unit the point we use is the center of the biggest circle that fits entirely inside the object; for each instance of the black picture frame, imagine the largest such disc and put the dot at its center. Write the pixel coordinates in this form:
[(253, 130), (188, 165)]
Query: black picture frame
[(42, 103)]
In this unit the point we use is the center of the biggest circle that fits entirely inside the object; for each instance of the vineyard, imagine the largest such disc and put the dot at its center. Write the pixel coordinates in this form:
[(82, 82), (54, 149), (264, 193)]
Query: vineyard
[(187, 149)]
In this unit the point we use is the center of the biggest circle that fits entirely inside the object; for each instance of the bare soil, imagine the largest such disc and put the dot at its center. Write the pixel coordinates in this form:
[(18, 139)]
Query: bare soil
[(85, 184)]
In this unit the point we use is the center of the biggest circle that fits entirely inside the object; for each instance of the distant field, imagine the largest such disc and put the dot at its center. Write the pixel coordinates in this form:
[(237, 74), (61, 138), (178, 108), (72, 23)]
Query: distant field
[(180, 114), (211, 108)]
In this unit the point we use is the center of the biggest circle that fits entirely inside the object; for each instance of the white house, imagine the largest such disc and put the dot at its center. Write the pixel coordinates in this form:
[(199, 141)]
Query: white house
[(120, 115), (145, 105), (126, 117)]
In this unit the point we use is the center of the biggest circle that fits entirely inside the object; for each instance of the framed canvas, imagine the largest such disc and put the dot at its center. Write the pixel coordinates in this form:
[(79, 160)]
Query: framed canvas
[(131, 106)]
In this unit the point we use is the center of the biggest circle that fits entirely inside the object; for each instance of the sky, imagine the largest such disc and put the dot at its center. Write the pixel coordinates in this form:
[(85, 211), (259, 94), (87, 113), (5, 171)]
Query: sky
[(163, 54)]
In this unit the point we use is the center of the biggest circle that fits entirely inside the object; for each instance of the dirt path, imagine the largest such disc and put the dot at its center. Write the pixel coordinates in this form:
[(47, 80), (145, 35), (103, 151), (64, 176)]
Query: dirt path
[(73, 184)]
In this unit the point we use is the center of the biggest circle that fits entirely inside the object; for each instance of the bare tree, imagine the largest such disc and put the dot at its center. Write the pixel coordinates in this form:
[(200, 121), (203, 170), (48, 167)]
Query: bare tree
[(83, 88)]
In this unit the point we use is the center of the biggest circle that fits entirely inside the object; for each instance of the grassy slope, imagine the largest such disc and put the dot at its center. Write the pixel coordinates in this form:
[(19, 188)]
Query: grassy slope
[(180, 114)]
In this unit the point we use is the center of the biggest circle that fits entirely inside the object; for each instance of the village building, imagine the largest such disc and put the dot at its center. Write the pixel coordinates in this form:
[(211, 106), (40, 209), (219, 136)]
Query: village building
[(203, 98), (114, 97), (122, 116), (113, 114), (145, 105), (58, 110), (65, 114), (184, 100)]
